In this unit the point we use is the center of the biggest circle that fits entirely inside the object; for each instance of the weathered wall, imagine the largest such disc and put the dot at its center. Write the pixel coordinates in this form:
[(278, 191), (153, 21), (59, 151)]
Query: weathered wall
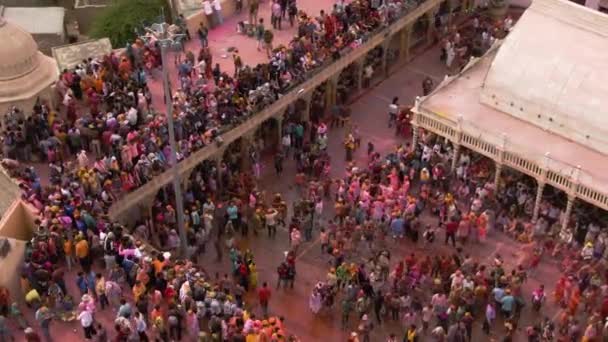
[(520, 3), (16, 225), (29, 3), (46, 95), (47, 41)]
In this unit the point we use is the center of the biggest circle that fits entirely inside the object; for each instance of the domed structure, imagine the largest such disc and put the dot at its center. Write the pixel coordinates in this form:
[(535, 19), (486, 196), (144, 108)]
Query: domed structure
[(25, 73)]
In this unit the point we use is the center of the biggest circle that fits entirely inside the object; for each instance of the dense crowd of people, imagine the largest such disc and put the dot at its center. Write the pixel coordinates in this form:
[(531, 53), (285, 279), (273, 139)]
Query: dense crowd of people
[(409, 193), (106, 109)]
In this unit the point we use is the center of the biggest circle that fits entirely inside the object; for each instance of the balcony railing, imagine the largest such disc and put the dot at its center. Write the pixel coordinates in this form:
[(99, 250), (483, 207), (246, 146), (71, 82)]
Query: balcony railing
[(473, 138), (320, 75)]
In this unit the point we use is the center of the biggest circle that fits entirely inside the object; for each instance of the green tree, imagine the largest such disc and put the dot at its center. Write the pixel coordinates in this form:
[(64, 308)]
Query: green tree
[(122, 18)]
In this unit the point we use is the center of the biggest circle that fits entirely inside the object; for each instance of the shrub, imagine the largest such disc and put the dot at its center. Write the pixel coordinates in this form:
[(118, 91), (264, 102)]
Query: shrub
[(122, 18)]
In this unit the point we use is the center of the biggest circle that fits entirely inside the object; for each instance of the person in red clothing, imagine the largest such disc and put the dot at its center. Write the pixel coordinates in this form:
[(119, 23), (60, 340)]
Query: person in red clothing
[(450, 232), (264, 297), (410, 260)]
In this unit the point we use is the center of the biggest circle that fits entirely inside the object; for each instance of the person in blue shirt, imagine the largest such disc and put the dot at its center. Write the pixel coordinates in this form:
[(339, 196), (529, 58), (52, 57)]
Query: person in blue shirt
[(127, 265), (498, 293), (89, 221), (507, 304), (299, 131), (81, 226), (81, 282), (397, 227), (233, 215)]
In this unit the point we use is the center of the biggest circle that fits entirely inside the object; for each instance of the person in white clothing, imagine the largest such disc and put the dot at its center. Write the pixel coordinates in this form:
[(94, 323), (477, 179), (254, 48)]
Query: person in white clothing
[(86, 320), (83, 160), (141, 326), (208, 10), (393, 111), (450, 54), (508, 23), (296, 238), (286, 142), (217, 11)]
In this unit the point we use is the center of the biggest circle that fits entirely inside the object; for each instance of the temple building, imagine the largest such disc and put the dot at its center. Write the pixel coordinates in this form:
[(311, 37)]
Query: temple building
[(26, 74), (536, 102)]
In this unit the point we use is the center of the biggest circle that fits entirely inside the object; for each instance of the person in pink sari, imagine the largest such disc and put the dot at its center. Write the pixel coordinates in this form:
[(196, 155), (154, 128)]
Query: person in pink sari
[(192, 322), (394, 179), (378, 209), (406, 185)]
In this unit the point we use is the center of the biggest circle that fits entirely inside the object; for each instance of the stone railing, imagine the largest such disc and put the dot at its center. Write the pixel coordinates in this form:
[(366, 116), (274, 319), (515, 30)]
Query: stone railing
[(550, 171), (143, 194)]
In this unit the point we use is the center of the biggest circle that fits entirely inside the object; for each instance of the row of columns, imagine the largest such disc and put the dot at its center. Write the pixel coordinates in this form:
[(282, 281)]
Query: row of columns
[(541, 181), (405, 38), (331, 90), (219, 158)]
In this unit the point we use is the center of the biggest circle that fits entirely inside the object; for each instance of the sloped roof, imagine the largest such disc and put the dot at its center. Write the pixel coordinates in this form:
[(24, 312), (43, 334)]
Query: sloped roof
[(551, 71), (458, 97)]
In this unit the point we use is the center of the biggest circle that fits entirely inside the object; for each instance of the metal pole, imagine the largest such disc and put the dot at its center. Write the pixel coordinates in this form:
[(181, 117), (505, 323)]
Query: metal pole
[(179, 200)]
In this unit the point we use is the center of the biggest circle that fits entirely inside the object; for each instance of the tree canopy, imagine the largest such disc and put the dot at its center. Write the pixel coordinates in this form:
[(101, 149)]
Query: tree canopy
[(122, 18)]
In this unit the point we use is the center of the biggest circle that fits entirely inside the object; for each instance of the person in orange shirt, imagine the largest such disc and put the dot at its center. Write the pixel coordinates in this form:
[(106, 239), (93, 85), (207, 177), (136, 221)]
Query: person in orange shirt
[(68, 250), (82, 253), (158, 264)]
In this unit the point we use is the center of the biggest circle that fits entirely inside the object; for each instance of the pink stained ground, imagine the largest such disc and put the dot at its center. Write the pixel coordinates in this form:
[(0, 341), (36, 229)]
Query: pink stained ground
[(225, 36)]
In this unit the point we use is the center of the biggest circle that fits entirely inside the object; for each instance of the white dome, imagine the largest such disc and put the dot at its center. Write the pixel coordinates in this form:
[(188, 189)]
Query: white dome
[(24, 71), (19, 54)]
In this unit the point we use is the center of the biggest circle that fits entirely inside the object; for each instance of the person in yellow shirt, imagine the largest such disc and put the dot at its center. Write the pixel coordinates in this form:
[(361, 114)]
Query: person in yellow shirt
[(411, 334), (32, 298), (252, 336), (138, 290), (100, 291)]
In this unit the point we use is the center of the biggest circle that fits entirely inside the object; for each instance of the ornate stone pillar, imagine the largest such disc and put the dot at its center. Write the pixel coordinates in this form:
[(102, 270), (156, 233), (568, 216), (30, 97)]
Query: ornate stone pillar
[(247, 141), (571, 196), (331, 90), (279, 131), (497, 173), (455, 157), (456, 143), (568, 213), (539, 197), (415, 133), (430, 17), (308, 104), (541, 186), (185, 181), (499, 162), (385, 47), (218, 164), (404, 43), (414, 122), (360, 67)]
